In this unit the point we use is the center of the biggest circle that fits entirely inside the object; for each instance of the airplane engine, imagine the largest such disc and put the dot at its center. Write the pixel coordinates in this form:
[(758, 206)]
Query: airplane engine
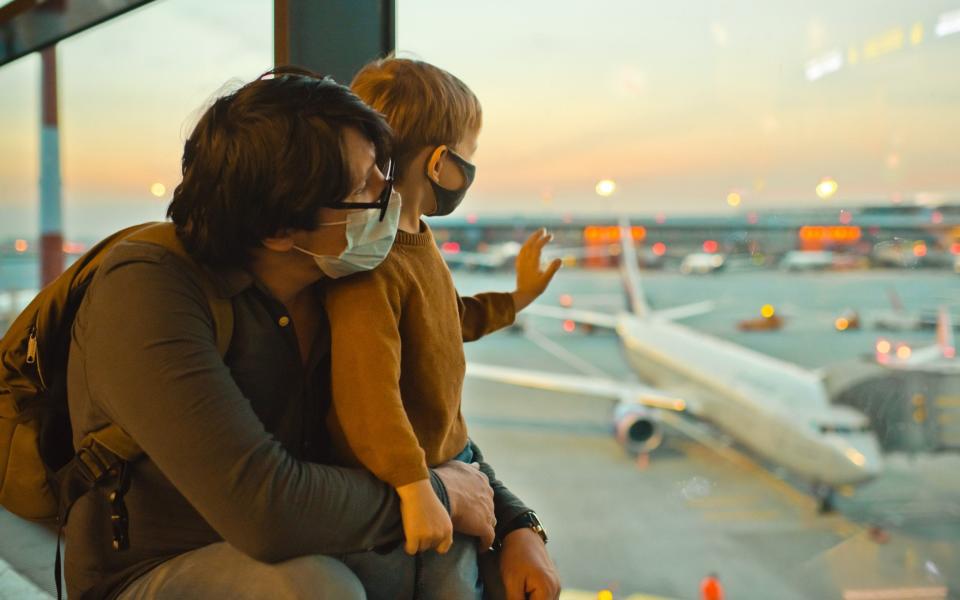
[(637, 429)]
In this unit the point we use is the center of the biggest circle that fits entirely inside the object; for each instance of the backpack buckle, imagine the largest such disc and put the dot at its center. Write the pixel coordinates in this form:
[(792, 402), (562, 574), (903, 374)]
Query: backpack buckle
[(119, 519)]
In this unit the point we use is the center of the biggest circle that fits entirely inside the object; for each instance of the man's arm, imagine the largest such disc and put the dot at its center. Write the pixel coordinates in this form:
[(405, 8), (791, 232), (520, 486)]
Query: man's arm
[(506, 505), (152, 365)]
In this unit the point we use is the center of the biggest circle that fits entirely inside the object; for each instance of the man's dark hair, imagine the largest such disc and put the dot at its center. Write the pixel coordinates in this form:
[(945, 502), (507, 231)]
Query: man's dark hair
[(266, 158)]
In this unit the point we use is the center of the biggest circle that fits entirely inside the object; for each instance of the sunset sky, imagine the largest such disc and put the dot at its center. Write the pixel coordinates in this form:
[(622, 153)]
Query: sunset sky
[(679, 103)]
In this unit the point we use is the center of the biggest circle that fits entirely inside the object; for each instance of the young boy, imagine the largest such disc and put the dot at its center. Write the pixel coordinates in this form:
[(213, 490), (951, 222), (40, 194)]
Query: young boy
[(398, 331)]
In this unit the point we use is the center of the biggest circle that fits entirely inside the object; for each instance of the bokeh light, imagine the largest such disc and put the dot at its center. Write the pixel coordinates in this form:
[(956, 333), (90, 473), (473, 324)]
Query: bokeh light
[(606, 187), (826, 188)]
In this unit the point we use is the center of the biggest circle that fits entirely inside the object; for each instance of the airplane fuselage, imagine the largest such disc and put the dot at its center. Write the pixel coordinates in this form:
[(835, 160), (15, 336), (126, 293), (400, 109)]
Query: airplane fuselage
[(774, 408)]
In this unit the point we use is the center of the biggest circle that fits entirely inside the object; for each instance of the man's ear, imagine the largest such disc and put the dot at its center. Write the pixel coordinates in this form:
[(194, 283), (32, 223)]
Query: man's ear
[(282, 242), (435, 163)]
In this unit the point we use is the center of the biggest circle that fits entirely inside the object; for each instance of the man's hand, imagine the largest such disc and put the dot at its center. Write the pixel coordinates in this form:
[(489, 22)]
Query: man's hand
[(532, 280), (526, 568), (426, 524), (471, 500)]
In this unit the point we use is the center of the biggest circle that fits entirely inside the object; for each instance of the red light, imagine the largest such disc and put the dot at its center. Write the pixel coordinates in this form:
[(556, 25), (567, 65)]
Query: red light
[(566, 300), (569, 326), (949, 352), (955, 248), (937, 217), (845, 217), (710, 246), (659, 249), (450, 247)]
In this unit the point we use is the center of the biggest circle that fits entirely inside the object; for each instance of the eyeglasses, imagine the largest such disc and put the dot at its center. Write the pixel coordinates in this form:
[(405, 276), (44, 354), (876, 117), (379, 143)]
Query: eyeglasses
[(381, 203)]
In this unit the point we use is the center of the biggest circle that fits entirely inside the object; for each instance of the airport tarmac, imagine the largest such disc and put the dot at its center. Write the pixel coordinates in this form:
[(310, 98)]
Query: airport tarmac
[(659, 529)]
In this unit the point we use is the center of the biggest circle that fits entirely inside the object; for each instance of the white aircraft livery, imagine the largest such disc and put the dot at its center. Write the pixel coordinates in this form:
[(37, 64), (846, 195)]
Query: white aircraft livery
[(778, 410)]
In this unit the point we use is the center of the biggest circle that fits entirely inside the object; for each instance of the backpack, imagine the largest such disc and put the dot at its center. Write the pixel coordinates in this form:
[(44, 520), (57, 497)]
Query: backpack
[(40, 473)]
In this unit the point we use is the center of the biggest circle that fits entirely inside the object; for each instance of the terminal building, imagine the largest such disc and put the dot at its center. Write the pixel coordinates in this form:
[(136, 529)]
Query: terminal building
[(894, 236)]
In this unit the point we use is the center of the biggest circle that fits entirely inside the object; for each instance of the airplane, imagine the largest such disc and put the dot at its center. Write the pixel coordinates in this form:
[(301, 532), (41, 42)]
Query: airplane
[(496, 256), (701, 263), (807, 260), (779, 411), (941, 356), (899, 318)]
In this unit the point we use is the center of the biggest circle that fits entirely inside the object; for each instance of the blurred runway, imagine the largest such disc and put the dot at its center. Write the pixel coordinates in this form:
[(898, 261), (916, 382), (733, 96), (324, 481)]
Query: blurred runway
[(659, 529)]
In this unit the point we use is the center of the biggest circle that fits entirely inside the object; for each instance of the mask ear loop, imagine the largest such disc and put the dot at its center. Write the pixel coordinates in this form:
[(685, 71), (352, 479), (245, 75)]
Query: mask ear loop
[(305, 251), (440, 157)]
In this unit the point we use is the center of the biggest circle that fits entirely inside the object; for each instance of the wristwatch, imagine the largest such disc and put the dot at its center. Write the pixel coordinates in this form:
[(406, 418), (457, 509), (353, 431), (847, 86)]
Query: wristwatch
[(527, 519)]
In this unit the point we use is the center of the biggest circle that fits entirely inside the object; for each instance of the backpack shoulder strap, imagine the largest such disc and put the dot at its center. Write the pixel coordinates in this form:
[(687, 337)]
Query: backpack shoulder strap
[(116, 440), (113, 437), (165, 234)]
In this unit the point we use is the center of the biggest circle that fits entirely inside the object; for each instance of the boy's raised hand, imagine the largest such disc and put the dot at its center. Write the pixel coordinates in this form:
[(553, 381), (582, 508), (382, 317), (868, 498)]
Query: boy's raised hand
[(532, 279)]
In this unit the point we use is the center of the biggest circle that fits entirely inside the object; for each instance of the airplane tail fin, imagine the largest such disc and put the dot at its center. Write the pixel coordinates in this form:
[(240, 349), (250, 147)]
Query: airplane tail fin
[(945, 333), (630, 270)]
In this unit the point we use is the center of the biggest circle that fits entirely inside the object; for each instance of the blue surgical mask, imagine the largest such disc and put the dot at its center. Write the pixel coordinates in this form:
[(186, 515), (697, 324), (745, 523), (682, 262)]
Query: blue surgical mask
[(368, 241)]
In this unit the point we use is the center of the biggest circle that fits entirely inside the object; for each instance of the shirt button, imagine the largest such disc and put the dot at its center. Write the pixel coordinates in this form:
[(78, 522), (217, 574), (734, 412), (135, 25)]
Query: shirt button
[(284, 321)]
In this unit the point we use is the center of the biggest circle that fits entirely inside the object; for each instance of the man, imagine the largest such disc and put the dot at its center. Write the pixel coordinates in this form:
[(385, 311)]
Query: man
[(232, 498)]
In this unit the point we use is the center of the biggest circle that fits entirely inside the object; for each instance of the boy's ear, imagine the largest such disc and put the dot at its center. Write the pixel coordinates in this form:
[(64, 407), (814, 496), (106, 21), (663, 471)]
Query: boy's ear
[(281, 242), (435, 163)]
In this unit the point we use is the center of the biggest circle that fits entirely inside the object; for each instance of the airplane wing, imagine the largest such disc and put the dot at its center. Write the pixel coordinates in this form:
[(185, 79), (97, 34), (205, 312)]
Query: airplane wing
[(687, 310), (581, 316), (627, 392), (610, 321)]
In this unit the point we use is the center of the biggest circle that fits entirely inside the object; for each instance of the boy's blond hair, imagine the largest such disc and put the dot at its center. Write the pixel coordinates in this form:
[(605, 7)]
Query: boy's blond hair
[(425, 105)]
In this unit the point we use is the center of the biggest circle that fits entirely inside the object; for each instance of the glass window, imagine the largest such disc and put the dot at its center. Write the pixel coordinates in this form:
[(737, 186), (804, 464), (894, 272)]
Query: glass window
[(789, 170)]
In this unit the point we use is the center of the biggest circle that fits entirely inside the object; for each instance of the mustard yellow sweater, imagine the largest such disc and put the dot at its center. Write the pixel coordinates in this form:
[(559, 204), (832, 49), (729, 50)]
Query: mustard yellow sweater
[(397, 360)]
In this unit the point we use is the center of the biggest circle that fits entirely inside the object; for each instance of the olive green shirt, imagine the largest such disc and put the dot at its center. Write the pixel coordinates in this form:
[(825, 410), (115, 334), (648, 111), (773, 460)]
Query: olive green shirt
[(235, 447)]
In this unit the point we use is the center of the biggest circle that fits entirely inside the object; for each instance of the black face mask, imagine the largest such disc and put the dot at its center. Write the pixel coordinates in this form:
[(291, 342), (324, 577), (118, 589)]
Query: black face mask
[(449, 200)]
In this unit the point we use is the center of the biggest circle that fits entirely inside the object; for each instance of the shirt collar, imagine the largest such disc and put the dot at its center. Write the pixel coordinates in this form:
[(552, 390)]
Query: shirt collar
[(230, 281)]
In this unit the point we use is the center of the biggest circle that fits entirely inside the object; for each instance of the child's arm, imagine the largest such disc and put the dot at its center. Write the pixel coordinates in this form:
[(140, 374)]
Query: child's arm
[(367, 417), (485, 313)]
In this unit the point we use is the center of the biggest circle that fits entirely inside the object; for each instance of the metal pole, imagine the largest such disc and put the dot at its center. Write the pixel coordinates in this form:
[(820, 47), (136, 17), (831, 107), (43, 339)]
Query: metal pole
[(333, 37), (51, 220)]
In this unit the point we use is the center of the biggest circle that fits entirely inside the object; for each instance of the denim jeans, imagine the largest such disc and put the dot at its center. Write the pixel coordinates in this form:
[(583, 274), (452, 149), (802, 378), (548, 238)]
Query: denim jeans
[(395, 575)]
